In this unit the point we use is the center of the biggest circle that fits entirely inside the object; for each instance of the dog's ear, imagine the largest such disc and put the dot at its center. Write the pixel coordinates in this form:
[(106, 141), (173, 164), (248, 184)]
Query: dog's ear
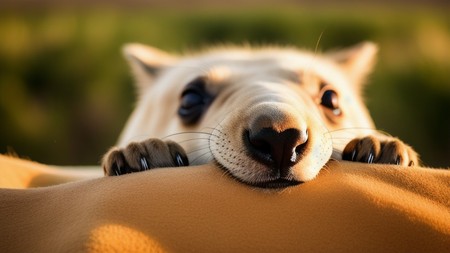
[(146, 62), (357, 61)]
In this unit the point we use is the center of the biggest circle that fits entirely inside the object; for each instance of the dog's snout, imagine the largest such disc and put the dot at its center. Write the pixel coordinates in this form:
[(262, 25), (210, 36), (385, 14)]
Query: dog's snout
[(278, 150)]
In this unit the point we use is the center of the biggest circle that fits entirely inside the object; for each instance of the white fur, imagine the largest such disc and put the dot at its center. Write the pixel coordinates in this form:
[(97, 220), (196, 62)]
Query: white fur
[(259, 81)]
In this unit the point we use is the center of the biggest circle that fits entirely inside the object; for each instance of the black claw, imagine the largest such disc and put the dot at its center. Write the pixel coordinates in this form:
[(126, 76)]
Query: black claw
[(144, 163), (349, 156), (370, 157), (353, 155), (398, 160), (116, 170), (181, 160)]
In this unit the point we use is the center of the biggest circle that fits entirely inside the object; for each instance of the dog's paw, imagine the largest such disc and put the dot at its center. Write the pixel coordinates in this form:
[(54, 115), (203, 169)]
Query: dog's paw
[(373, 150), (141, 156)]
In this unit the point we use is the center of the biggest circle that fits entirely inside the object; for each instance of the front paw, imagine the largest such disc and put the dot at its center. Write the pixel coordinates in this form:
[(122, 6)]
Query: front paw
[(141, 156), (372, 150)]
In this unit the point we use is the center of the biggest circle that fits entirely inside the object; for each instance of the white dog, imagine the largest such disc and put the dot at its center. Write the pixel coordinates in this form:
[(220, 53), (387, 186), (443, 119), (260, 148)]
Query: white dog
[(270, 117)]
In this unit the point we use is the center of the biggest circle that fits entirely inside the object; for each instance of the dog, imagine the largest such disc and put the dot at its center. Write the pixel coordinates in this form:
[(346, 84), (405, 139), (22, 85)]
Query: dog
[(270, 117)]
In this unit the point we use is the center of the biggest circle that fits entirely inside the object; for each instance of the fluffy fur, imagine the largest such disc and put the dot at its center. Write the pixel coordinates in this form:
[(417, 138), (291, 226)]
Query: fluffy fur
[(254, 96)]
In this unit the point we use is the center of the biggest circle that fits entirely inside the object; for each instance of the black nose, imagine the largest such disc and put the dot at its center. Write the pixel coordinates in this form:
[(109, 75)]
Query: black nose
[(278, 150)]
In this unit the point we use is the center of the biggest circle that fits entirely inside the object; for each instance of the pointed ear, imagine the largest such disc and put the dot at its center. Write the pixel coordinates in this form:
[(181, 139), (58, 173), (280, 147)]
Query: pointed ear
[(357, 61), (146, 62)]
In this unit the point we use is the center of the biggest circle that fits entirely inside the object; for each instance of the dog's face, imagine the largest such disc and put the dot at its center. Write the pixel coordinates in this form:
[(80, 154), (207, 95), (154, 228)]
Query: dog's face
[(266, 116)]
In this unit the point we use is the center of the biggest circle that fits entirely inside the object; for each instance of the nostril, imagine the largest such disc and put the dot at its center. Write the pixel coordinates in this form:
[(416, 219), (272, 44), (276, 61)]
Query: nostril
[(299, 149), (279, 150), (258, 146)]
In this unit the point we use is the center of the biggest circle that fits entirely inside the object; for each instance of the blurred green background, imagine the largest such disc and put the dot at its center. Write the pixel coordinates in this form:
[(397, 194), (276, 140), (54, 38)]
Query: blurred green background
[(66, 92)]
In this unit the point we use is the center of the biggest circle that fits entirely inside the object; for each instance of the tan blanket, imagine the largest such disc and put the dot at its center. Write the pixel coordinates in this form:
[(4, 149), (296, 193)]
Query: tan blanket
[(350, 207)]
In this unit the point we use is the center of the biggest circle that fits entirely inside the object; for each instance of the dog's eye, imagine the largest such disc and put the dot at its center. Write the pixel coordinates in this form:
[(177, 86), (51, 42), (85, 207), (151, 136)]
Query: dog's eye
[(330, 100), (194, 101), (190, 99)]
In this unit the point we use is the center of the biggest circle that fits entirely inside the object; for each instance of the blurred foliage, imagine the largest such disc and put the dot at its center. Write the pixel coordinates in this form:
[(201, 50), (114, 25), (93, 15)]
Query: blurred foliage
[(65, 91)]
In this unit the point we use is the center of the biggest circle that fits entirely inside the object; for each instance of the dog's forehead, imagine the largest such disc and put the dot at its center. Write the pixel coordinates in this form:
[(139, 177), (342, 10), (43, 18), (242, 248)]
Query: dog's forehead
[(288, 64), (251, 60)]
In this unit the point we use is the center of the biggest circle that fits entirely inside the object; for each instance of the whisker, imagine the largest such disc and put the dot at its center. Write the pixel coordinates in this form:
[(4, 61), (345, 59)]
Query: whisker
[(309, 67), (353, 128), (192, 132), (318, 42), (384, 133), (187, 133), (217, 129), (197, 150), (341, 141), (193, 139), (342, 138), (333, 159), (325, 169), (212, 128), (336, 155), (145, 136), (337, 150), (203, 155)]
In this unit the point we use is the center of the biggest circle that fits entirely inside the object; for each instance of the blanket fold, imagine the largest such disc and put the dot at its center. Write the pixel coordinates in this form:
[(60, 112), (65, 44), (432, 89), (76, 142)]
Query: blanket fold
[(350, 207)]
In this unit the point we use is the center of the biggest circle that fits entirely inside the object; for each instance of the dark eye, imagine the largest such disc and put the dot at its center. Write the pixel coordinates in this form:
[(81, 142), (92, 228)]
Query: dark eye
[(330, 100), (194, 101)]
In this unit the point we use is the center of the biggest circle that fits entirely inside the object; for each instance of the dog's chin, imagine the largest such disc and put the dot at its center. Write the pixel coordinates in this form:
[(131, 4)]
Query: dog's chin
[(279, 183), (270, 183)]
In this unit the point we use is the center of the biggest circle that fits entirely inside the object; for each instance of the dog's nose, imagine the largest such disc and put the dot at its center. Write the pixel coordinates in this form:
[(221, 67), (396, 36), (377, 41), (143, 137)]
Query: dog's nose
[(278, 150)]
